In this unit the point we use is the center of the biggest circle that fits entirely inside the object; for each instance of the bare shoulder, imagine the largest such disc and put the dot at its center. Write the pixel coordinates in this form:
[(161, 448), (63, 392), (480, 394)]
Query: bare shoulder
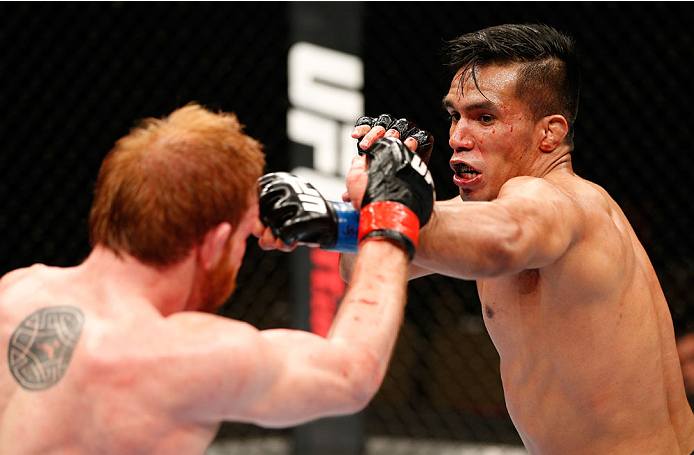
[(576, 189), (22, 281), (571, 203), (607, 235), (183, 339), (196, 365), (15, 276), (585, 193), (210, 327), (146, 339), (168, 354), (588, 200)]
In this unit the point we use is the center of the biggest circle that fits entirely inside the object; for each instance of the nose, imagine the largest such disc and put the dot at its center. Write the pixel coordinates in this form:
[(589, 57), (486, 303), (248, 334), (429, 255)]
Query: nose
[(460, 139)]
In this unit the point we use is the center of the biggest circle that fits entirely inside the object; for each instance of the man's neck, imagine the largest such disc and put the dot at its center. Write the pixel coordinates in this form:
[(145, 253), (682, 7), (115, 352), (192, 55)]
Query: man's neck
[(554, 162), (168, 289)]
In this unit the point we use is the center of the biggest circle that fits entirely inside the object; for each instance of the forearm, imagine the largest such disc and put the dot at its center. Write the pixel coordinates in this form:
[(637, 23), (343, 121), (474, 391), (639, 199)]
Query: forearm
[(348, 261), (310, 377), (372, 309), (347, 367)]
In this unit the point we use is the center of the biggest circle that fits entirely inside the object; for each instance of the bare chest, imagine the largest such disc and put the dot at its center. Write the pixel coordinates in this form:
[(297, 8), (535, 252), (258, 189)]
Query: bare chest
[(509, 300), (527, 314)]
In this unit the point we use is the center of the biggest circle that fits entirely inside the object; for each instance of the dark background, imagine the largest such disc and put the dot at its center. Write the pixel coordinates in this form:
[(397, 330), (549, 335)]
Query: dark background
[(76, 76)]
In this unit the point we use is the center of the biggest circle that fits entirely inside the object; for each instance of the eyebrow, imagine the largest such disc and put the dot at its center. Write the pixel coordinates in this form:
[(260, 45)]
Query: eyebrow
[(482, 105)]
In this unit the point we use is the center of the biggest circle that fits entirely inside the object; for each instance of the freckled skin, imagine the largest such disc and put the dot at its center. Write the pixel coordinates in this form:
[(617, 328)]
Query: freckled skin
[(148, 374)]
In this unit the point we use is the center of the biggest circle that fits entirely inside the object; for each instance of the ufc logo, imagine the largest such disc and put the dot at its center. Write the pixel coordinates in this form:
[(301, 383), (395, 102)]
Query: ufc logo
[(325, 95), (310, 198), (421, 169)]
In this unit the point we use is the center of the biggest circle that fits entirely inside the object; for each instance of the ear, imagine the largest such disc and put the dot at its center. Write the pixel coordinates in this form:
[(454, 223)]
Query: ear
[(554, 130), (212, 246), (238, 247)]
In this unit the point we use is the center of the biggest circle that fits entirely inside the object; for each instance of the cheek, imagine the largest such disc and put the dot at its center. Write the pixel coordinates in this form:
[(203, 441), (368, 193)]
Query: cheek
[(508, 141), (496, 146)]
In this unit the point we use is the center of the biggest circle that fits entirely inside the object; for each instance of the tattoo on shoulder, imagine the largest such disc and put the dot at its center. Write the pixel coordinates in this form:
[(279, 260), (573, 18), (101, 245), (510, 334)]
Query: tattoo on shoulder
[(42, 345)]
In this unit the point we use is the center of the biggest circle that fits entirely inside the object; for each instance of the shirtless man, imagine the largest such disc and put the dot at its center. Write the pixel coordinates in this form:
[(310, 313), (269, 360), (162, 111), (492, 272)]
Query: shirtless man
[(569, 296), (121, 354)]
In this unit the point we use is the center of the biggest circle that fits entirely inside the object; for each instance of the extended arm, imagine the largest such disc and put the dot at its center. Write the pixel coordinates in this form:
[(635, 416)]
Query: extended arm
[(306, 376), (531, 224), (208, 369), (214, 369), (285, 377)]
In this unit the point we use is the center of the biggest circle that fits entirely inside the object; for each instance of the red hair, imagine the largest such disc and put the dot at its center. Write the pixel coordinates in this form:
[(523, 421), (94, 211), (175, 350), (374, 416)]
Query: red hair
[(169, 181)]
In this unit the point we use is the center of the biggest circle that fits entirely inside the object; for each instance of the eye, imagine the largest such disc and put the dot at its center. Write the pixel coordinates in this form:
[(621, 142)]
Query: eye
[(485, 119), (453, 117)]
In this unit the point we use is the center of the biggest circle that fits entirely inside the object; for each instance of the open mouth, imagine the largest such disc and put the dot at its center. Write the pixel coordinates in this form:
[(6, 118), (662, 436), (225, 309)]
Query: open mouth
[(464, 171)]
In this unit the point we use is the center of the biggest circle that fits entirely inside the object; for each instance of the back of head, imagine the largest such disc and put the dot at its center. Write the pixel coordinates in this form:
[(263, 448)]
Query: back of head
[(170, 180), (549, 76)]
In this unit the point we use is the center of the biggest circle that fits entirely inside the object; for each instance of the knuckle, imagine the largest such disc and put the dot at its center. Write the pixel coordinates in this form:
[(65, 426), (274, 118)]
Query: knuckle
[(384, 120), (400, 125), (364, 120)]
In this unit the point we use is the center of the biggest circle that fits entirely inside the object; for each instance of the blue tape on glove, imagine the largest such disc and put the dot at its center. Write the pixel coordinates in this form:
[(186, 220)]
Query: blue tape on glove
[(347, 227)]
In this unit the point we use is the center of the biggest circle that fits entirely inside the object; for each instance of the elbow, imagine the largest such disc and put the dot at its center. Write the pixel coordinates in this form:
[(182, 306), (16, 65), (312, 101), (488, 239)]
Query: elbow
[(365, 379)]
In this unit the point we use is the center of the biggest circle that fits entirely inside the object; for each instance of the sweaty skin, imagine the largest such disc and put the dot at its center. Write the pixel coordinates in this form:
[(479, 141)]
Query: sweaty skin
[(141, 372), (569, 297), (685, 349)]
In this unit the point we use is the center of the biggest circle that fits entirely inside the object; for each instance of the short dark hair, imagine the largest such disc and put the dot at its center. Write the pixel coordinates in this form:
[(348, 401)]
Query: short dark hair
[(549, 79)]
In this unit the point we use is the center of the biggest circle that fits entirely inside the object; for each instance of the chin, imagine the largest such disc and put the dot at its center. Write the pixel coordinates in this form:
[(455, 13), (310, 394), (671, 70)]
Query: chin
[(470, 196), (476, 196)]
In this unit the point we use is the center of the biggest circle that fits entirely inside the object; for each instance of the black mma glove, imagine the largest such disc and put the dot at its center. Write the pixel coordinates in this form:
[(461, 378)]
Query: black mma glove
[(399, 196), (296, 212), (406, 129)]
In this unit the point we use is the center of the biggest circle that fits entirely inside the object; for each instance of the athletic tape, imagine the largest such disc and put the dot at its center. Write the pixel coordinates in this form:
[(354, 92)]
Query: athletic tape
[(389, 215), (347, 227)]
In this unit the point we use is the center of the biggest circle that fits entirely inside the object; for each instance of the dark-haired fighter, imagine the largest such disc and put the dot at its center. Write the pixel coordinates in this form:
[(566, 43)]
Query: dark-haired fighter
[(570, 299), (119, 355)]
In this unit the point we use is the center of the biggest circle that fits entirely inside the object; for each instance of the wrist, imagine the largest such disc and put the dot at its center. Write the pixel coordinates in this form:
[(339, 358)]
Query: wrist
[(391, 220), (347, 227), (385, 245)]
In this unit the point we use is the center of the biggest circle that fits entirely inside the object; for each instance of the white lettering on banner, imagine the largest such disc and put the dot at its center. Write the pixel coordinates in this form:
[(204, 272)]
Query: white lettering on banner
[(325, 95), (320, 133), (326, 81)]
